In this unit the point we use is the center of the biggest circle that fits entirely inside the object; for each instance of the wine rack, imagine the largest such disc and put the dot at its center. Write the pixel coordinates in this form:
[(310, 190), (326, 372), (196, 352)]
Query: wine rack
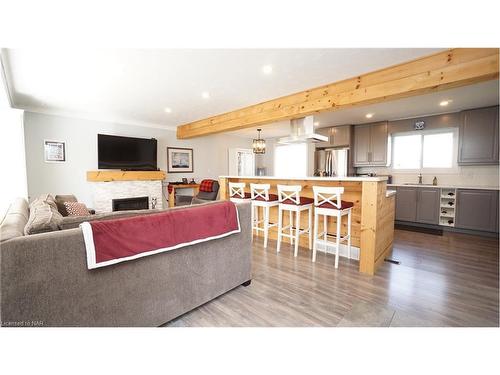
[(447, 207)]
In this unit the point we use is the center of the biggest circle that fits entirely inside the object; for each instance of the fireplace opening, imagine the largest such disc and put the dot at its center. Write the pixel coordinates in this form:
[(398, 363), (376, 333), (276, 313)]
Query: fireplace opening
[(125, 204)]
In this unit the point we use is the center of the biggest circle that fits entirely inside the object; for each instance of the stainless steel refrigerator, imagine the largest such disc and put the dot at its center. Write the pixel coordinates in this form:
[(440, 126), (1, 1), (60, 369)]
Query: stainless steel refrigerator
[(332, 162)]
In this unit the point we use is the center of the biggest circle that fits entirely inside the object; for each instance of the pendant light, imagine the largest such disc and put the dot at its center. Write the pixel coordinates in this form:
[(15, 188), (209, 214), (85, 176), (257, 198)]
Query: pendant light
[(259, 145)]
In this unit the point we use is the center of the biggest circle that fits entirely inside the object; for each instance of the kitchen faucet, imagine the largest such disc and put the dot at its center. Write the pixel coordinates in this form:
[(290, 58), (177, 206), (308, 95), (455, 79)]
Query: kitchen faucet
[(420, 178)]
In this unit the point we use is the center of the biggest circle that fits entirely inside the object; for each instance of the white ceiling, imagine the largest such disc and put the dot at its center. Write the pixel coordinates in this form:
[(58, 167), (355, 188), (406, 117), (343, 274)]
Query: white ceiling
[(135, 85), (466, 97)]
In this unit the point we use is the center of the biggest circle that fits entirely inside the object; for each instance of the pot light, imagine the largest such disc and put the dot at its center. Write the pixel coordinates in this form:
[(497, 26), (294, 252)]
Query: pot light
[(168, 110), (267, 69), (205, 95), (444, 103), (369, 115)]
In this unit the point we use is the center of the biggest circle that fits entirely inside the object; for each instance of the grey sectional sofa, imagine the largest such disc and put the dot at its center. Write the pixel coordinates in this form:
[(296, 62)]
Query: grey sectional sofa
[(44, 280)]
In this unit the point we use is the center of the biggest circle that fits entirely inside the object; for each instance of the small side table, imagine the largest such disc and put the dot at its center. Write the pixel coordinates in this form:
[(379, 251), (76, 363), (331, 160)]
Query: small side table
[(171, 195)]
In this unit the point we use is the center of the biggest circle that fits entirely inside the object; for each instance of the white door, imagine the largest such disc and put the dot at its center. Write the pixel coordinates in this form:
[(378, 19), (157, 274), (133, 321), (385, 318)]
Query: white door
[(241, 162)]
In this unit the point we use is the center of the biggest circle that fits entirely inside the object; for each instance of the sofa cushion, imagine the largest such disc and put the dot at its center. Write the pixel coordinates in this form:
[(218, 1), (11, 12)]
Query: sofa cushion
[(76, 209), (61, 199), (15, 219), (44, 217)]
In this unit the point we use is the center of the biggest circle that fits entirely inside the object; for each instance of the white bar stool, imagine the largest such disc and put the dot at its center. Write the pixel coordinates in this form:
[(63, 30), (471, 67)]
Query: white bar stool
[(328, 202), (291, 201), (261, 198), (237, 192)]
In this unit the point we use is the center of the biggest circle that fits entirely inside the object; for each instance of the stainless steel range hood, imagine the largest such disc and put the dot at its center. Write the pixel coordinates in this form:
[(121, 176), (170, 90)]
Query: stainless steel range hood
[(302, 130)]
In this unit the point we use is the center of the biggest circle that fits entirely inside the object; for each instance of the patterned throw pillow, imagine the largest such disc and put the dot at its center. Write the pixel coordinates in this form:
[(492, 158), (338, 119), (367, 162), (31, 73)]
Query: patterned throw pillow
[(76, 209)]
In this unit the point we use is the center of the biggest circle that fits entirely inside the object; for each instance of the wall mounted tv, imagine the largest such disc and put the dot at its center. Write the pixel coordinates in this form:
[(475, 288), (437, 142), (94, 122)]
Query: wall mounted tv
[(126, 153)]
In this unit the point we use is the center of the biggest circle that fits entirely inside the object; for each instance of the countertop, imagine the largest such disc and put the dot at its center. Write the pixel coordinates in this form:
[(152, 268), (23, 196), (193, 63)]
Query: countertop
[(390, 193), (447, 186), (359, 179)]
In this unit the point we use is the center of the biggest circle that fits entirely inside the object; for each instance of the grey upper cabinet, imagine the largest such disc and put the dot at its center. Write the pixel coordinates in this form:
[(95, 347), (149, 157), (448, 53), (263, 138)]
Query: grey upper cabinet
[(362, 141), (326, 132), (478, 137), (477, 210), (338, 136), (378, 150), (370, 144), (406, 203), (428, 205)]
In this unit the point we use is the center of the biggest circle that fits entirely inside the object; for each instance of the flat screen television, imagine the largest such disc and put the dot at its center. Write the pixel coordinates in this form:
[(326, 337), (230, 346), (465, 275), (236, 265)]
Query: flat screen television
[(126, 153)]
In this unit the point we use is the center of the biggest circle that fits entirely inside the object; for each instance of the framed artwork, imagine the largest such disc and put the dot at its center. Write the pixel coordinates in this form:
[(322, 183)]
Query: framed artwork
[(179, 160), (55, 151)]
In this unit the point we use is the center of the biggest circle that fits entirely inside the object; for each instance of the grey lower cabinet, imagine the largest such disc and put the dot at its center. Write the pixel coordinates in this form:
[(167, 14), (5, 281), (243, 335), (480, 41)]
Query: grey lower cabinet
[(417, 204), (370, 144), (428, 205), (406, 203), (478, 137), (477, 210)]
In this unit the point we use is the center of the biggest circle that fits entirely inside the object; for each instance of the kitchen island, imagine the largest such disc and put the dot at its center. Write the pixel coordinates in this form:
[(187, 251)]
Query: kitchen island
[(372, 227)]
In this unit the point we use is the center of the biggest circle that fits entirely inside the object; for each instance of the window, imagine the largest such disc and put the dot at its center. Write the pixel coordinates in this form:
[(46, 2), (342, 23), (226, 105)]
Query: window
[(432, 149), (290, 160), (438, 150), (407, 151)]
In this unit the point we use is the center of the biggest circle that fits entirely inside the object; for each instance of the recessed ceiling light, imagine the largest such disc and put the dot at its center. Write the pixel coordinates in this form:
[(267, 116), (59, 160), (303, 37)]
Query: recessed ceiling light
[(316, 123), (168, 110), (205, 95), (444, 103), (369, 115), (267, 69)]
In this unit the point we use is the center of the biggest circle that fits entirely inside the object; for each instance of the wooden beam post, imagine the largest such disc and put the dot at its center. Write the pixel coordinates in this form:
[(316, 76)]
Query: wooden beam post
[(440, 71)]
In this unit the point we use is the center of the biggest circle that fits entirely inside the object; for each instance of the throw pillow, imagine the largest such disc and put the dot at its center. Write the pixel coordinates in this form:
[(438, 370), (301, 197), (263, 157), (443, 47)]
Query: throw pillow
[(76, 209), (60, 199), (43, 218)]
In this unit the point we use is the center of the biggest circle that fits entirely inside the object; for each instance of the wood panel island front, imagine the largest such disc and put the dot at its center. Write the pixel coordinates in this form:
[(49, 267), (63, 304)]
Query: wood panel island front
[(372, 226)]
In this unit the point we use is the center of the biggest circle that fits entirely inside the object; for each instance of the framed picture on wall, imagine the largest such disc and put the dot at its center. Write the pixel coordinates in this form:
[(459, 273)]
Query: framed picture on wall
[(55, 151), (179, 160)]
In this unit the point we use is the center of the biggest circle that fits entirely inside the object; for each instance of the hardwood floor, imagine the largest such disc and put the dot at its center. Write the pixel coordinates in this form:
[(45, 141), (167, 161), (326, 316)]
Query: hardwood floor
[(449, 280)]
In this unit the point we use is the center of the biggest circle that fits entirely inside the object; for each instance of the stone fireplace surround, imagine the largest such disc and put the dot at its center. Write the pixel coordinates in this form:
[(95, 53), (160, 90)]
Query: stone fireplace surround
[(104, 192), (107, 185)]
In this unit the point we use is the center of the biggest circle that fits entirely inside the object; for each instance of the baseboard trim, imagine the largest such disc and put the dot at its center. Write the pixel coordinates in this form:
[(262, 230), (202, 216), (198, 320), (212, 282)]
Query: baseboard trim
[(331, 248), (448, 229)]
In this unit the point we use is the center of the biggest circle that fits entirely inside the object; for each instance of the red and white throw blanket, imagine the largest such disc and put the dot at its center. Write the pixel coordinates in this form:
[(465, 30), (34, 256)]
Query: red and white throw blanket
[(114, 241)]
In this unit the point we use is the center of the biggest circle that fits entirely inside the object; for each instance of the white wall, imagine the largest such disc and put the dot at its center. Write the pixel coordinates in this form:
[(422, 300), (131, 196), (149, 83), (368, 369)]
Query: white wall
[(210, 153), (12, 161)]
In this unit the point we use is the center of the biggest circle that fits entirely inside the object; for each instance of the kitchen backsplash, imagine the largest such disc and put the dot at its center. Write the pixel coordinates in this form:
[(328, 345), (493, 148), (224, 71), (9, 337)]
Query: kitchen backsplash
[(465, 176)]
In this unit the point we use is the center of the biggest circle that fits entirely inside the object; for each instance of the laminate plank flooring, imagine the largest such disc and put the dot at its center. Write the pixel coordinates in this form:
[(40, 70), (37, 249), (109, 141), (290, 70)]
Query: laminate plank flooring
[(449, 280)]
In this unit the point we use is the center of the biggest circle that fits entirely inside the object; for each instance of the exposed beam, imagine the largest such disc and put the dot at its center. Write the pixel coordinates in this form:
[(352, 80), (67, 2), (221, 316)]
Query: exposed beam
[(440, 71)]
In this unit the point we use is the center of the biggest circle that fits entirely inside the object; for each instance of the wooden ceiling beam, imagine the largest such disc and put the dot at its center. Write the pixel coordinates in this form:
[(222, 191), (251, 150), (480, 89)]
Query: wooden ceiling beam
[(440, 71)]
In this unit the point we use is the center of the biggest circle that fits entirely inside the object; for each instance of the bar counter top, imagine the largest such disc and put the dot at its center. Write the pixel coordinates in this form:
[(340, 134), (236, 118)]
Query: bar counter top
[(314, 178)]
